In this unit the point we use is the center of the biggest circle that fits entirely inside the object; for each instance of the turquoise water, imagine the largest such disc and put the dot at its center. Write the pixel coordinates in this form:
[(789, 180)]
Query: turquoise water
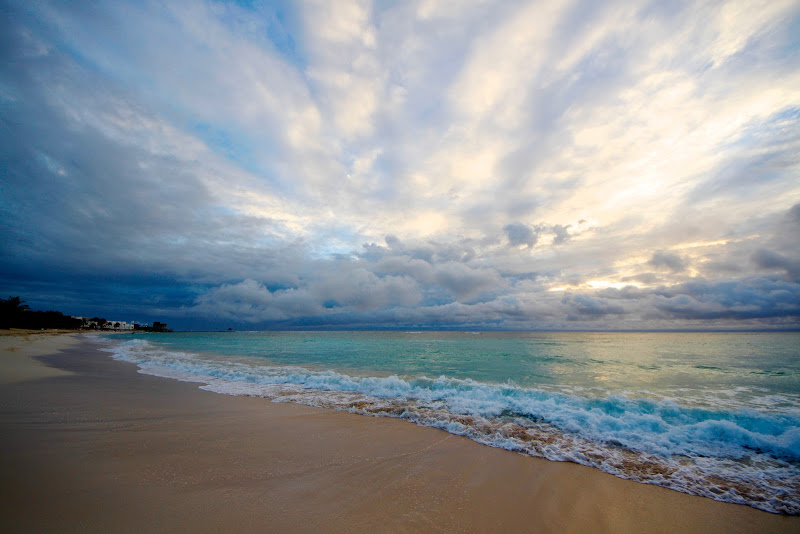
[(713, 414)]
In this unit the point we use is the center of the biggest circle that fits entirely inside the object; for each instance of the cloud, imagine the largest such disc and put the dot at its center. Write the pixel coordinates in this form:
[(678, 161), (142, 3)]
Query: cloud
[(250, 302), (673, 262), (794, 214), (508, 164), (767, 259), (520, 234), (561, 233), (464, 282), (587, 305), (741, 299), (363, 290)]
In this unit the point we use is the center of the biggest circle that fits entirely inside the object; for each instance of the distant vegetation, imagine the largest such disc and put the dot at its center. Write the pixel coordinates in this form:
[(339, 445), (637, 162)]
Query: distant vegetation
[(14, 313)]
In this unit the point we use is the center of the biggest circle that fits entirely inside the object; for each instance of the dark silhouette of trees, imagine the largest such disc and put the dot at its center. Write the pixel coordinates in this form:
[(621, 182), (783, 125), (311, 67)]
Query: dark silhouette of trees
[(13, 305), (11, 311), (14, 313)]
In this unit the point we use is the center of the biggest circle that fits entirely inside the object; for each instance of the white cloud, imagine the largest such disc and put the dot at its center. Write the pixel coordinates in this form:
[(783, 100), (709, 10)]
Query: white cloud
[(612, 132)]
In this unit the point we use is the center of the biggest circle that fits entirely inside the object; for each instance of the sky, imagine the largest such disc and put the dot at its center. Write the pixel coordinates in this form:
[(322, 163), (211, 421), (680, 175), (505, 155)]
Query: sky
[(522, 165)]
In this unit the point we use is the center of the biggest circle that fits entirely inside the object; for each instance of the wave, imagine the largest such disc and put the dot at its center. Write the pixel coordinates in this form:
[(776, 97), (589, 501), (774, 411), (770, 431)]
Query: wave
[(736, 455)]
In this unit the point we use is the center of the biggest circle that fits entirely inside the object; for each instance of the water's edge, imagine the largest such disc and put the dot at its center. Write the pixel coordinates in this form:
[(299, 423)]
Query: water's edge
[(737, 456)]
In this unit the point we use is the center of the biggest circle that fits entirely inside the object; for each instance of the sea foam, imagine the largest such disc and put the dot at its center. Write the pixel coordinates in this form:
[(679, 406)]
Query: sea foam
[(733, 454)]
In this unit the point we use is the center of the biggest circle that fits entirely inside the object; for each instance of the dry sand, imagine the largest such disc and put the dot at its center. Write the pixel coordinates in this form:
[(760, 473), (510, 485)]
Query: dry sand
[(88, 444), (20, 347)]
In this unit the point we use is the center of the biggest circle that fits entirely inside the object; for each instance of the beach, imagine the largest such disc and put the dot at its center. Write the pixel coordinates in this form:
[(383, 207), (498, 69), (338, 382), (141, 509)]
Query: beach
[(90, 444)]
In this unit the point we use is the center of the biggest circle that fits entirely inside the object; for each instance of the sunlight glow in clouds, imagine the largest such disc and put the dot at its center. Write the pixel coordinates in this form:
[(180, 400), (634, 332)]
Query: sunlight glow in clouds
[(515, 164)]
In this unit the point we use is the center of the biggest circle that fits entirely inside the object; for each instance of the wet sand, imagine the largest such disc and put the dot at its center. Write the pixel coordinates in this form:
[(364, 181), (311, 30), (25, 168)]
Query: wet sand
[(89, 444)]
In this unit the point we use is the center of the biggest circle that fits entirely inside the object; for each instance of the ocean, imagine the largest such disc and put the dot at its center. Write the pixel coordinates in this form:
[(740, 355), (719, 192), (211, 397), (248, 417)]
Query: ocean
[(712, 414)]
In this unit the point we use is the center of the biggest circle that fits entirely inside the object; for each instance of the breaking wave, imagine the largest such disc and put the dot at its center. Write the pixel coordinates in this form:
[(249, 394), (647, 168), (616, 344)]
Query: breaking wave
[(736, 455)]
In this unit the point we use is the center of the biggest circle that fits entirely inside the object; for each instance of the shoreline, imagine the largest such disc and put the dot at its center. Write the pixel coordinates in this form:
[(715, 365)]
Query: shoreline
[(94, 445)]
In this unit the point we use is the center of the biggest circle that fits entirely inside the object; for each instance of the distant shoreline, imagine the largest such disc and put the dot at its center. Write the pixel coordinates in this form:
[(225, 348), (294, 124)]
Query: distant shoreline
[(23, 331)]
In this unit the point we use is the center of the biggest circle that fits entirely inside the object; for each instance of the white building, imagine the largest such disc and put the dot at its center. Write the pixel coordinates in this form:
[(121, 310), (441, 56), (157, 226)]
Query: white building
[(110, 325)]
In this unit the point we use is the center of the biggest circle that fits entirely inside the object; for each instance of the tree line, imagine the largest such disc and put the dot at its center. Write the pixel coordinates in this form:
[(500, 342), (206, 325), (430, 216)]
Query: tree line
[(14, 313)]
